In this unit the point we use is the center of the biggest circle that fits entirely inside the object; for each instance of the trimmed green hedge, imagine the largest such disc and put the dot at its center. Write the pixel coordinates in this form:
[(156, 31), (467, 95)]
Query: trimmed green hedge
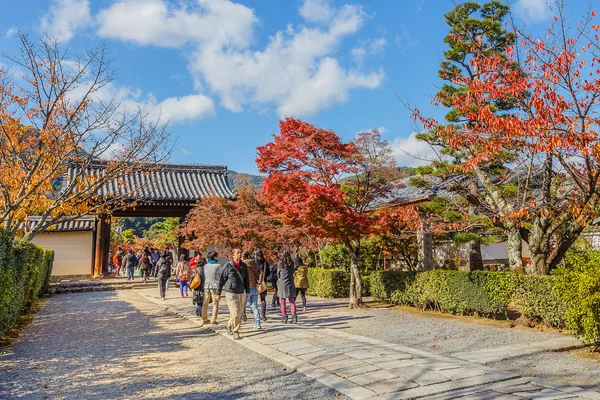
[(328, 283), (24, 275), (569, 299), (333, 283), (480, 293), (384, 283)]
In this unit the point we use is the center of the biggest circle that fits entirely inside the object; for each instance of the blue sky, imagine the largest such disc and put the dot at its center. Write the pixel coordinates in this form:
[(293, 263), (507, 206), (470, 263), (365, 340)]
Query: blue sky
[(226, 72)]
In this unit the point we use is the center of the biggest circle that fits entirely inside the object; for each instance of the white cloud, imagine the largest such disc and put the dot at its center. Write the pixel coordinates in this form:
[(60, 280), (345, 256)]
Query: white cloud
[(112, 151), (532, 10), (173, 109), (410, 152), (368, 47), (154, 22), (65, 17), (10, 32), (179, 109), (296, 72), (317, 11)]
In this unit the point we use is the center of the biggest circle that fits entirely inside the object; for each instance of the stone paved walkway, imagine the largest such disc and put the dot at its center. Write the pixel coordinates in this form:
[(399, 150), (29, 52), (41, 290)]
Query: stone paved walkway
[(367, 368)]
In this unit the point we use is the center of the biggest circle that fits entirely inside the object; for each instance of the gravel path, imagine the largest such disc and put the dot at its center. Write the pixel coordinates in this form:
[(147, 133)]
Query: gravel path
[(447, 335), (117, 345)]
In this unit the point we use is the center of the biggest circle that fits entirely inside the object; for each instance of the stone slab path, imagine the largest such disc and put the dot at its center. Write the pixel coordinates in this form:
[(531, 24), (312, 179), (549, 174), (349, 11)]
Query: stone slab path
[(366, 368), (516, 350)]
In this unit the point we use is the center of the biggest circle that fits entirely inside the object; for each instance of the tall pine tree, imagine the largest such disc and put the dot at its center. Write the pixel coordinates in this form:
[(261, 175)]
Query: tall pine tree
[(475, 30)]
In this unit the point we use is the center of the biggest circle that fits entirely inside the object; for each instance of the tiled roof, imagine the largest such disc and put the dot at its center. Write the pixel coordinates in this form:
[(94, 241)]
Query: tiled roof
[(405, 193), (77, 225), (167, 182)]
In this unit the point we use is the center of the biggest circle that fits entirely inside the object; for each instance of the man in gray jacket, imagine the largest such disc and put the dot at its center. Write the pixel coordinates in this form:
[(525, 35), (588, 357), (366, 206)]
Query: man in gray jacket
[(236, 282), (212, 275)]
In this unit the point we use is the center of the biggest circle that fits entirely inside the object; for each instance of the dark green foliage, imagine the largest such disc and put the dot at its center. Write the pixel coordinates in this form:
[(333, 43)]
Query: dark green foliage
[(579, 283), (570, 299), (457, 292), (384, 283), (333, 283), (366, 285), (338, 256), (24, 275), (539, 299), (328, 283)]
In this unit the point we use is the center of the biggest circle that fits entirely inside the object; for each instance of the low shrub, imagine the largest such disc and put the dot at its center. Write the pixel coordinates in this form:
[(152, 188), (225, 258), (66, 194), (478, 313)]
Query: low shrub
[(482, 293), (24, 275), (366, 281), (384, 283), (328, 283), (539, 299), (579, 284)]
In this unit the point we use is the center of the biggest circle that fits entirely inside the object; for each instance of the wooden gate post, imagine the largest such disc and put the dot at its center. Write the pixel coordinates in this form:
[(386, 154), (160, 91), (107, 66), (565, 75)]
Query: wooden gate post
[(102, 246)]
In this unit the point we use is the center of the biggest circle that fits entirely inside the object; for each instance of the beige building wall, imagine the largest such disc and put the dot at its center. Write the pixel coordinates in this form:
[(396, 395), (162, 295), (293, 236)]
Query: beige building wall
[(72, 251)]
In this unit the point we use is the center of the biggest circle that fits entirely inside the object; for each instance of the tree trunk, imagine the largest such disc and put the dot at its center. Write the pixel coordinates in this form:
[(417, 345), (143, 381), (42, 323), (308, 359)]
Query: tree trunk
[(567, 240), (475, 258), (515, 249), (356, 300)]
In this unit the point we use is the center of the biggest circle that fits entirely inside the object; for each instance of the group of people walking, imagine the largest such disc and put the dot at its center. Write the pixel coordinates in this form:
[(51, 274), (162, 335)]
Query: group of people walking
[(242, 281)]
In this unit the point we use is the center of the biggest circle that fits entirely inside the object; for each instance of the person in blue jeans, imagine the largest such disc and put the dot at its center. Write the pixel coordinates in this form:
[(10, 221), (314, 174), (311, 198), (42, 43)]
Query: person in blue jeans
[(253, 276)]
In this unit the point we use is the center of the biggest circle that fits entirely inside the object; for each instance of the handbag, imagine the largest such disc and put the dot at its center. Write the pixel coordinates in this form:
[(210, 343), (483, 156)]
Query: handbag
[(196, 281), (184, 277), (261, 287)]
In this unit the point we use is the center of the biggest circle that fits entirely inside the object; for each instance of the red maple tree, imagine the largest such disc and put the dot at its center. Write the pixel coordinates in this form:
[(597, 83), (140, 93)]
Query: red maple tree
[(244, 223), (327, 187)]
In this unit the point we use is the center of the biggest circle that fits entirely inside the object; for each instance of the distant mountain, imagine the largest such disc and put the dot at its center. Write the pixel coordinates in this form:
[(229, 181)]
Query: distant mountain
[(237, 179)]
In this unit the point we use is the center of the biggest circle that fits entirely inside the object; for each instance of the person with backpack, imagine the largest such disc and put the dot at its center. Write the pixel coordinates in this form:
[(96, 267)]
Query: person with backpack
[(183, 274), (212, 275), (254, 276), (263, 266), (301, 280), (130, 262), (285, 286), (235, 281), (197, 286), (163, 273), (145, 267)]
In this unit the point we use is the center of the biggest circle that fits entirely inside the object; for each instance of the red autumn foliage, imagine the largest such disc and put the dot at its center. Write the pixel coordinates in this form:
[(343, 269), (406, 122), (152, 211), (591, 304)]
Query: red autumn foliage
[(327, 187), (245, 223), (552, 131)]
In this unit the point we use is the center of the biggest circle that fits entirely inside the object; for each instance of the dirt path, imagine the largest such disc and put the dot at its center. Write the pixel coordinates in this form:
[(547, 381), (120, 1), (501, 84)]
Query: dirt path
[(117, 345)]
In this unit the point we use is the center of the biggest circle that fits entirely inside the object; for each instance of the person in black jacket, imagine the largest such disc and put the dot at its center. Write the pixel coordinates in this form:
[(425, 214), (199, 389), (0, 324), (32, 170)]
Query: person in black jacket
[(234, 278), (163, 273), (130, 261)]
